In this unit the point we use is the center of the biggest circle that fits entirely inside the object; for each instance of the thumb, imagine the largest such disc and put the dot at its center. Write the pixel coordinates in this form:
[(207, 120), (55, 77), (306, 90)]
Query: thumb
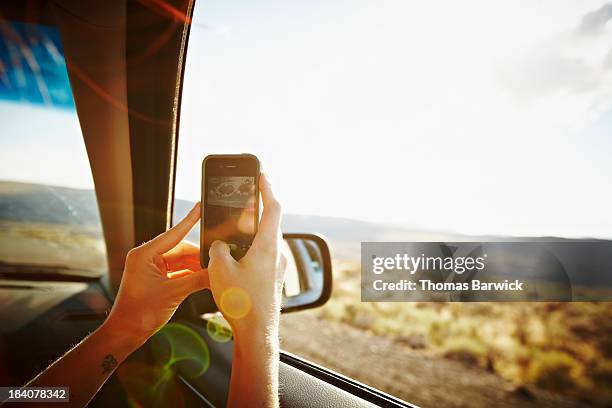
[(219, 254)]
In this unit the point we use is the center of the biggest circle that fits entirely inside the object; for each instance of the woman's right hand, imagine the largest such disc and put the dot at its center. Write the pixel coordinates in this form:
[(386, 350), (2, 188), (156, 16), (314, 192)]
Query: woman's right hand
[(249, 292)]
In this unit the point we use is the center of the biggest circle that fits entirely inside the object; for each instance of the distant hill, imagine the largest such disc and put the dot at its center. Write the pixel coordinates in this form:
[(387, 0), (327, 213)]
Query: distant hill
[(25, 202), (344, 235), (28, 202), (47, 204)]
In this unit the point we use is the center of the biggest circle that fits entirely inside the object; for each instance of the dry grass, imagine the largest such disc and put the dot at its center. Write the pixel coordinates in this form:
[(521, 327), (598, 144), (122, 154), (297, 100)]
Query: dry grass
[(562, 347), (74, 246)]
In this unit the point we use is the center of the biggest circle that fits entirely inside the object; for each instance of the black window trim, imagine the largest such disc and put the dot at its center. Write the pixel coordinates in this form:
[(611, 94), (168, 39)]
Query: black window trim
[(342, 382)]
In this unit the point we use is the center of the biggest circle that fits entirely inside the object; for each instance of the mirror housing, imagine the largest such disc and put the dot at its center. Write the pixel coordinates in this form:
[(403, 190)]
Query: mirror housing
[(308, 280)]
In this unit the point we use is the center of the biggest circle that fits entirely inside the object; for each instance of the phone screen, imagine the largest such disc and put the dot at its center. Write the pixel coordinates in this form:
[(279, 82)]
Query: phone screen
[(230, 203)]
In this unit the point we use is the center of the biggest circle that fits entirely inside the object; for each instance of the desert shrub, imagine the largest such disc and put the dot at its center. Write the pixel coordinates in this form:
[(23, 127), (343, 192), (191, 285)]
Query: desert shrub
[(360, 316), (468, 351), (555, 371), (601, 375)]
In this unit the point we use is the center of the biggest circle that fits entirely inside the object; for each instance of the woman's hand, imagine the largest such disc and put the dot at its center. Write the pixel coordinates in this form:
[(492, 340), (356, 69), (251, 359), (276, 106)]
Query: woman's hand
[(158, 276), (249, 294)]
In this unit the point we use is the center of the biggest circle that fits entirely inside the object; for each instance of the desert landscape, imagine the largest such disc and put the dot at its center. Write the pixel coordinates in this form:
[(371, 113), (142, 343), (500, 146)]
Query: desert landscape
[(460, 354)]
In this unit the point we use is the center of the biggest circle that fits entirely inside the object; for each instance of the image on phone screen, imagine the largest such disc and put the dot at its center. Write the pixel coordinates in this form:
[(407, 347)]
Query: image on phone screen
[(230, 206)]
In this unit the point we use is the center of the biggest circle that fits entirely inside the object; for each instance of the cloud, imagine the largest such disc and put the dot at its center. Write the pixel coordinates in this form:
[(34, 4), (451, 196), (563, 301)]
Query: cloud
[(608, 61), (595, 21), (543, 72), (575, 63)]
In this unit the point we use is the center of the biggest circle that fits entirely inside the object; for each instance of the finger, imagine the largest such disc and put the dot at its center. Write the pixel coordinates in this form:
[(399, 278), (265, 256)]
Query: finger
[(169, 239), (269, 227), (185, 253), (188, 282), (184, 263), (179, 274)]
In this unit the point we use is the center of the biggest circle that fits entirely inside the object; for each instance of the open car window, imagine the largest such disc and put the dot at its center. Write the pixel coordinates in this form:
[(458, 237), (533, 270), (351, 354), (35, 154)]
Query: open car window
[(49, 219), (419, 121)]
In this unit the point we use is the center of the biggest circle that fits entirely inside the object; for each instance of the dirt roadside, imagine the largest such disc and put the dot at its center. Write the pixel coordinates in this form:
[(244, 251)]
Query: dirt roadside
[(400, 371)]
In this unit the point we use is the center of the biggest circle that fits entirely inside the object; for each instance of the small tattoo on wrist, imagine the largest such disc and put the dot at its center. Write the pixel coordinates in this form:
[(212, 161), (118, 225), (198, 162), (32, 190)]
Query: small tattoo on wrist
[(109, 363)]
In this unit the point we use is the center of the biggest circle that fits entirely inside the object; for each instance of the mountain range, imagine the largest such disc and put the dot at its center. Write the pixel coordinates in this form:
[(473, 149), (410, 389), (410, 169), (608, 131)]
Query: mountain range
[(35, 203)]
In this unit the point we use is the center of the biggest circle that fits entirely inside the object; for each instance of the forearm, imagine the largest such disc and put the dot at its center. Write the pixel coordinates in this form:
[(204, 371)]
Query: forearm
[(254, 380), (86, 367)]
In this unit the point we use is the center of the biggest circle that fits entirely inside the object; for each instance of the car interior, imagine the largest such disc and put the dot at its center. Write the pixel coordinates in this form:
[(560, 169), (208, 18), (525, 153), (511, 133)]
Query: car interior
[(126, 62)]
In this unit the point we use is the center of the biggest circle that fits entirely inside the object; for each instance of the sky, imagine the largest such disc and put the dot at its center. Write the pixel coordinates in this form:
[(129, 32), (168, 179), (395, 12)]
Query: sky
[(474, 116), (478, 117)]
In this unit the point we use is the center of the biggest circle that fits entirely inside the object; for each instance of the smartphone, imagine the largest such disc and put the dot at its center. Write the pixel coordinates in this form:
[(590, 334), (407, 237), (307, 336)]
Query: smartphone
[(230, 203)]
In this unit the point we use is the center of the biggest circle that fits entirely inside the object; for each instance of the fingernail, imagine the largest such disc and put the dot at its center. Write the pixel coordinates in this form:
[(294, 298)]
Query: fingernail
[(196, 207)]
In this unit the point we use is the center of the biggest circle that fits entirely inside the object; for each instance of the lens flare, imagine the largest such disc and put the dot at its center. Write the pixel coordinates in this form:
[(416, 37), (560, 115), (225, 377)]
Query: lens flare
[(181, 348), (148, 385), (235, 303), (218, 329)]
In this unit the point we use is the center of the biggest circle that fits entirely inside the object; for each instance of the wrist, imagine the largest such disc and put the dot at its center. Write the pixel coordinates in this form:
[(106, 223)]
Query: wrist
[(263, 331), (123, 333), (259, 337), (260, 319), (255, 367)]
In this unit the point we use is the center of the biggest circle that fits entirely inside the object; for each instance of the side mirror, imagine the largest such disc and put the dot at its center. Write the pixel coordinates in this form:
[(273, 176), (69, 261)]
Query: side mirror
[(308, 281)]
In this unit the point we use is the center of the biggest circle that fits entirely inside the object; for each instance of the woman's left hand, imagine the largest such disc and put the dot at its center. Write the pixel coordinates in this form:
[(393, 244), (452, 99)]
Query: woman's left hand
[(157, 277)]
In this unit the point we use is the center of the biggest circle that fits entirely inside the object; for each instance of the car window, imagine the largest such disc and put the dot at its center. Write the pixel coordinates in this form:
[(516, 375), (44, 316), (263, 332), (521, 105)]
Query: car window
[(419, 121), (48, 210)]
